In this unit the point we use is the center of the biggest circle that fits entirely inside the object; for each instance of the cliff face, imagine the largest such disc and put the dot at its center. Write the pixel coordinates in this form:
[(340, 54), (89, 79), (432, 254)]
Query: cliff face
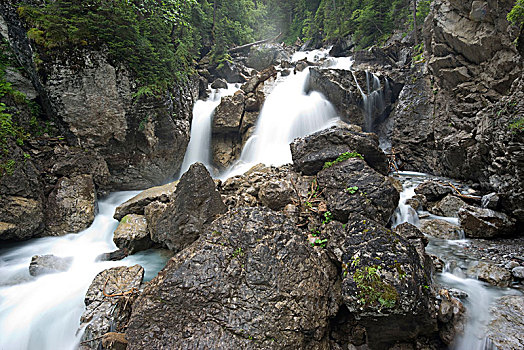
[(454, 115), (127, 141)]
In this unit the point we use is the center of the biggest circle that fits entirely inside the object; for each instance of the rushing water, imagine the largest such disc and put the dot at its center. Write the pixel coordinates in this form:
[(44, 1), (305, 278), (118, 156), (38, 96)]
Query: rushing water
[(481, 295), (44, 312)]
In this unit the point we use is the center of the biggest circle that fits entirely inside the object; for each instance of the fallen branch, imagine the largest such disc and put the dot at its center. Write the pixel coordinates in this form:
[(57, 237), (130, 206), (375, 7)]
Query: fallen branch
[(246, 46), (476, 198)]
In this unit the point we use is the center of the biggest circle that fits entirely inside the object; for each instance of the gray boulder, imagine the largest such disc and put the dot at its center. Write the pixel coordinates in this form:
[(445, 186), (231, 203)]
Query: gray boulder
[(311, 152), (441, 229), (448, 206), (451, 316), (433, 191), (518, 272), (71, 206), (132, 234), (250, 281), (108, 302), (219, 84), (493, 274), (353, 187), (505, 328), (276, 194), (485, 223), (384, 283), (195, 204), (45, 264), (20, 217), (137, 204)]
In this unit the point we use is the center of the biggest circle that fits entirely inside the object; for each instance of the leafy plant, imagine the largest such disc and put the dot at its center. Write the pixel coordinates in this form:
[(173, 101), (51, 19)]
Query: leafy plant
[(352, 190), (238, 252), (328, 217), (320, 242), (344, 156), (373, 291)]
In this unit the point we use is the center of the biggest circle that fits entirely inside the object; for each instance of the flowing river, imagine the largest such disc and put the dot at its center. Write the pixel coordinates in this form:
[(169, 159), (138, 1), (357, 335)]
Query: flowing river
[(44, 312)]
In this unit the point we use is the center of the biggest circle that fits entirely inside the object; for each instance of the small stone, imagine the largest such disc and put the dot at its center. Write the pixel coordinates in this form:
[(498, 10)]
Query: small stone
[(510, 265), (518, 272)]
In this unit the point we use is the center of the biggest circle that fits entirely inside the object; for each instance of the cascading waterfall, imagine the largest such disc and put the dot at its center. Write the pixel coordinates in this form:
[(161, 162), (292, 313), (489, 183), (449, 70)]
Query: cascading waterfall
[(44, 312), (199, 147), (373, 99), (480, 294)]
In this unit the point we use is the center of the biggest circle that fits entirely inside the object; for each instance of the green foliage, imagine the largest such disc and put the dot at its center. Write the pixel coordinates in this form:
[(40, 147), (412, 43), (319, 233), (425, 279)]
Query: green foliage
[(373, 291), (516, 15), (320, 242), (517, 125), (328, 217), (238, 253), (344, 156), (352, 190)]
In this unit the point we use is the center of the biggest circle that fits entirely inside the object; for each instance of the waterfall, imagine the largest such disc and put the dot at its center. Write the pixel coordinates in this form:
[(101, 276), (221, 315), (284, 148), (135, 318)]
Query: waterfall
[(44, 312), (288, 112), (199, 147), (373, 99)]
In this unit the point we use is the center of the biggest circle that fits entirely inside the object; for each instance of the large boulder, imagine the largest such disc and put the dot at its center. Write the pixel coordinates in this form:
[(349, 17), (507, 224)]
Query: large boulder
[(137, 204), (441, 229), (44, 264), (250, 281), (20, 218), (311, 152), (132, 234), (108, 303), (505, 328), (196, 203), (433, 191), (448, 206), (493, 274), (384, 283), (71, 206), (353, 187), (262, 56), (485, 223)]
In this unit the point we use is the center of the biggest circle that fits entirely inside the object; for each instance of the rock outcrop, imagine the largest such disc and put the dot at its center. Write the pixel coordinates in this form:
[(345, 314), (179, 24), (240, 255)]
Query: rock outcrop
[(505, 329), (250, 281), (485, 223), (132, 234)]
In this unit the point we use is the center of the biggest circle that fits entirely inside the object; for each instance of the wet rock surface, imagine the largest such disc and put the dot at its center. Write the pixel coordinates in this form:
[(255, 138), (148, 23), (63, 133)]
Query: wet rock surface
[(448, 206), (485, 223), (45, 264), (505, 329), (108, 302), (238, 282), (441, 229), (196, 203), (490, 273), (311, 152), (353, 187), (433, 191)]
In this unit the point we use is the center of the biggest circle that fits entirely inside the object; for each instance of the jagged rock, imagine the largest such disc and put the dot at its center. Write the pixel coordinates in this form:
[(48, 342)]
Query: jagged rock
[(71, 206), (493, 274), (276, 194), (196, 203), (252, 84), (301, 65), (505, 328), (433, 191), (441, 229), (353, 187), (232, 72), (137, 204), (518, 272), (251, 281), (262, 56), (285, 72), (132, 234), (311, 152), (44, 264), (228, 114), (485, 223), (415, 236), (383, 281), (219, 84), (448, 206), (20, 218), (451, 316), (417, 202), (491, 201), (342, 47), (105, 313)]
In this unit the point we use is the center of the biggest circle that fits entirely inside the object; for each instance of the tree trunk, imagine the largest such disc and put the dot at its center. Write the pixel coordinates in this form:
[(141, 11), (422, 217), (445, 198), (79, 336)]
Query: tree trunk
[(415, 34)]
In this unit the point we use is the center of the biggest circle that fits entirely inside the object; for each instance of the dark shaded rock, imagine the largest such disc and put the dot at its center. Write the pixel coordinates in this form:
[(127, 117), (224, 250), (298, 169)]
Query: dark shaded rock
[(285, 72), (505, 328), (433, 191), (44, 264), (21, 218), (417, 202), (441, 229), (250, 281), (71, 206), (103, 312), (219, 84), (485, 223), (132, 234), (342, 47), (113, 256), (195, 204), (262, 56), (493, 274), (311, 152), (451, 317), (448, 206), (230, 71), (384, 283), (137, 204), (491, 201), (252, 84), (353, 187)]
